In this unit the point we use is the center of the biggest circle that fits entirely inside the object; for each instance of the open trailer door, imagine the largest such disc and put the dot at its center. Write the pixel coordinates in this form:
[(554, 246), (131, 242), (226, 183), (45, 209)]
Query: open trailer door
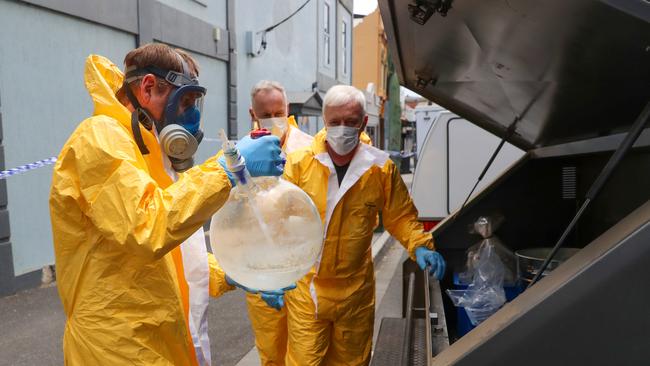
[(567, 82)]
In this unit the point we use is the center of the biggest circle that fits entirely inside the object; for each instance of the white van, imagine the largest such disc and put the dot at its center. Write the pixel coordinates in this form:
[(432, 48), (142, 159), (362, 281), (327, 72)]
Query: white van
[(450, 160)]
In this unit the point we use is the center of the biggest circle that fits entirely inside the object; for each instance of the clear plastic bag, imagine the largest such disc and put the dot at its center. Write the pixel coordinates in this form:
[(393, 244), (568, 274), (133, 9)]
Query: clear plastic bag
[(485, 227), (485, 276)]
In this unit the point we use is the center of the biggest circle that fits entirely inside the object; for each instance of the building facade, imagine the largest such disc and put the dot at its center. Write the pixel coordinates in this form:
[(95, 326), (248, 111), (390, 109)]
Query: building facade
[(43, 46), (308, 53), (370, 71)]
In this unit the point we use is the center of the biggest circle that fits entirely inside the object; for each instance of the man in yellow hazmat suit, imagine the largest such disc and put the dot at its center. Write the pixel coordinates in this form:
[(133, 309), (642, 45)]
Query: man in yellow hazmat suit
[(331, 312), (269, 109), (127, 209)]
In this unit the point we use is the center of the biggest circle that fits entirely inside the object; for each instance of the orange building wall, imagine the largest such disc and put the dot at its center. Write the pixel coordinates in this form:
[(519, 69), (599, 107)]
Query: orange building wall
[(370, 53)]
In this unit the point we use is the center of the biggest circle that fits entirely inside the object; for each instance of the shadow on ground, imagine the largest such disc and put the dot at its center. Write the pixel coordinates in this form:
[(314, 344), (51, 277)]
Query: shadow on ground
[(32, 323)]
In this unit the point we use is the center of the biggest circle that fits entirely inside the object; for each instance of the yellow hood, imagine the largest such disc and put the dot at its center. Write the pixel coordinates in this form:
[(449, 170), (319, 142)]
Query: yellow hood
[(103, 79)]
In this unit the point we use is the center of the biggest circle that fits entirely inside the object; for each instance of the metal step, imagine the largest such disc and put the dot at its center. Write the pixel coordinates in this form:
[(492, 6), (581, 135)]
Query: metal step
[(389, 350)]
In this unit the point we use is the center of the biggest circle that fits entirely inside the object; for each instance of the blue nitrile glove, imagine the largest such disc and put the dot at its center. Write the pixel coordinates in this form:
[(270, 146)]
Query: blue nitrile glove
[(262, 155), (427, 257), (274, 299)]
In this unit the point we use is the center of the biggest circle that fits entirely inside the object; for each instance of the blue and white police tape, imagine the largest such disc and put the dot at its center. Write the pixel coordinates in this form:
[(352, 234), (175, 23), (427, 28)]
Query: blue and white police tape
[(27, 167)]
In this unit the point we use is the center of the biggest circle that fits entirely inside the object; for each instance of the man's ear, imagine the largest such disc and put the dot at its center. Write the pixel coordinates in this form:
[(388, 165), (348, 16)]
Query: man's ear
[(147, 85), (254, 123), (365, 122)]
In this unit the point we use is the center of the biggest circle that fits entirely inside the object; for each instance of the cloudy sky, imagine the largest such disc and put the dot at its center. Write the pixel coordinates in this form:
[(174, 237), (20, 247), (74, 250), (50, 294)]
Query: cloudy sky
[(364, 7)]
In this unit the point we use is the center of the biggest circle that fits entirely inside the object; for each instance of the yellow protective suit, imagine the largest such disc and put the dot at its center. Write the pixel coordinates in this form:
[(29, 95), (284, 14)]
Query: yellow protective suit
[(117, 221), (331, 312), (270, 325)]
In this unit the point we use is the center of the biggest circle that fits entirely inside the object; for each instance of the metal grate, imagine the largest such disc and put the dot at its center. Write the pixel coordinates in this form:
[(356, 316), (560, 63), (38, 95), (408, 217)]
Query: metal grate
[(418, 352), (569, 182)]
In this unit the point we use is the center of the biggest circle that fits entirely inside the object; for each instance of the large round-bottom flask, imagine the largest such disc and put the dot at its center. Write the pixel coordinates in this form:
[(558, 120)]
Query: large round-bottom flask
[(267, 235)]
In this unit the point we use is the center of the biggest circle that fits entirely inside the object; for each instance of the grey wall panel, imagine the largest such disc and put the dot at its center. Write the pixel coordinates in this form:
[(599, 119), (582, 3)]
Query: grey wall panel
[(160, 22), (6, 269), (145, 21), (183, 24), (215, 108), (119, 14), (234, 78), (210, 11), (233, 91), (348, 4), (197, 35), (234, 113), (3, 193), (325, 81), (6, 258), (43, 101), (232, 68), (28, 280), (5, 232), (223, 44)]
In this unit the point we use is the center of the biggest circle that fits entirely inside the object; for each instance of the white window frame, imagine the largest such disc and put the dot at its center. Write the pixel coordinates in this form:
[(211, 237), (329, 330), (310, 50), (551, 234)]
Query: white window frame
[(326, 30), (345, 29)]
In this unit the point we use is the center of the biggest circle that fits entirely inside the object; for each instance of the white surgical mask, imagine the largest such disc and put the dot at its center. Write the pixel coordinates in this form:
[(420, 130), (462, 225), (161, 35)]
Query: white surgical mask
[(342, 139), (277, 125)]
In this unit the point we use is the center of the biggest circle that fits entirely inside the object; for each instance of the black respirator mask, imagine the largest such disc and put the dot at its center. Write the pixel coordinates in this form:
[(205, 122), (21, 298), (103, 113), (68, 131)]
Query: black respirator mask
[(179, 131)]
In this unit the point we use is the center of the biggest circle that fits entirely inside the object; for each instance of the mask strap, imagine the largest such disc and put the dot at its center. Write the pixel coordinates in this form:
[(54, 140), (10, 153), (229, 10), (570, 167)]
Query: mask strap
[(135, 120), (137, 134), (184, 67), (198, 136), (186, 71)]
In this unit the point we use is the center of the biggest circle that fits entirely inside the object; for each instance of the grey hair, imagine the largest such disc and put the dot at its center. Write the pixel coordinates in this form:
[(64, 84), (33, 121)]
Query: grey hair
[(268, 85), (339, 95)]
